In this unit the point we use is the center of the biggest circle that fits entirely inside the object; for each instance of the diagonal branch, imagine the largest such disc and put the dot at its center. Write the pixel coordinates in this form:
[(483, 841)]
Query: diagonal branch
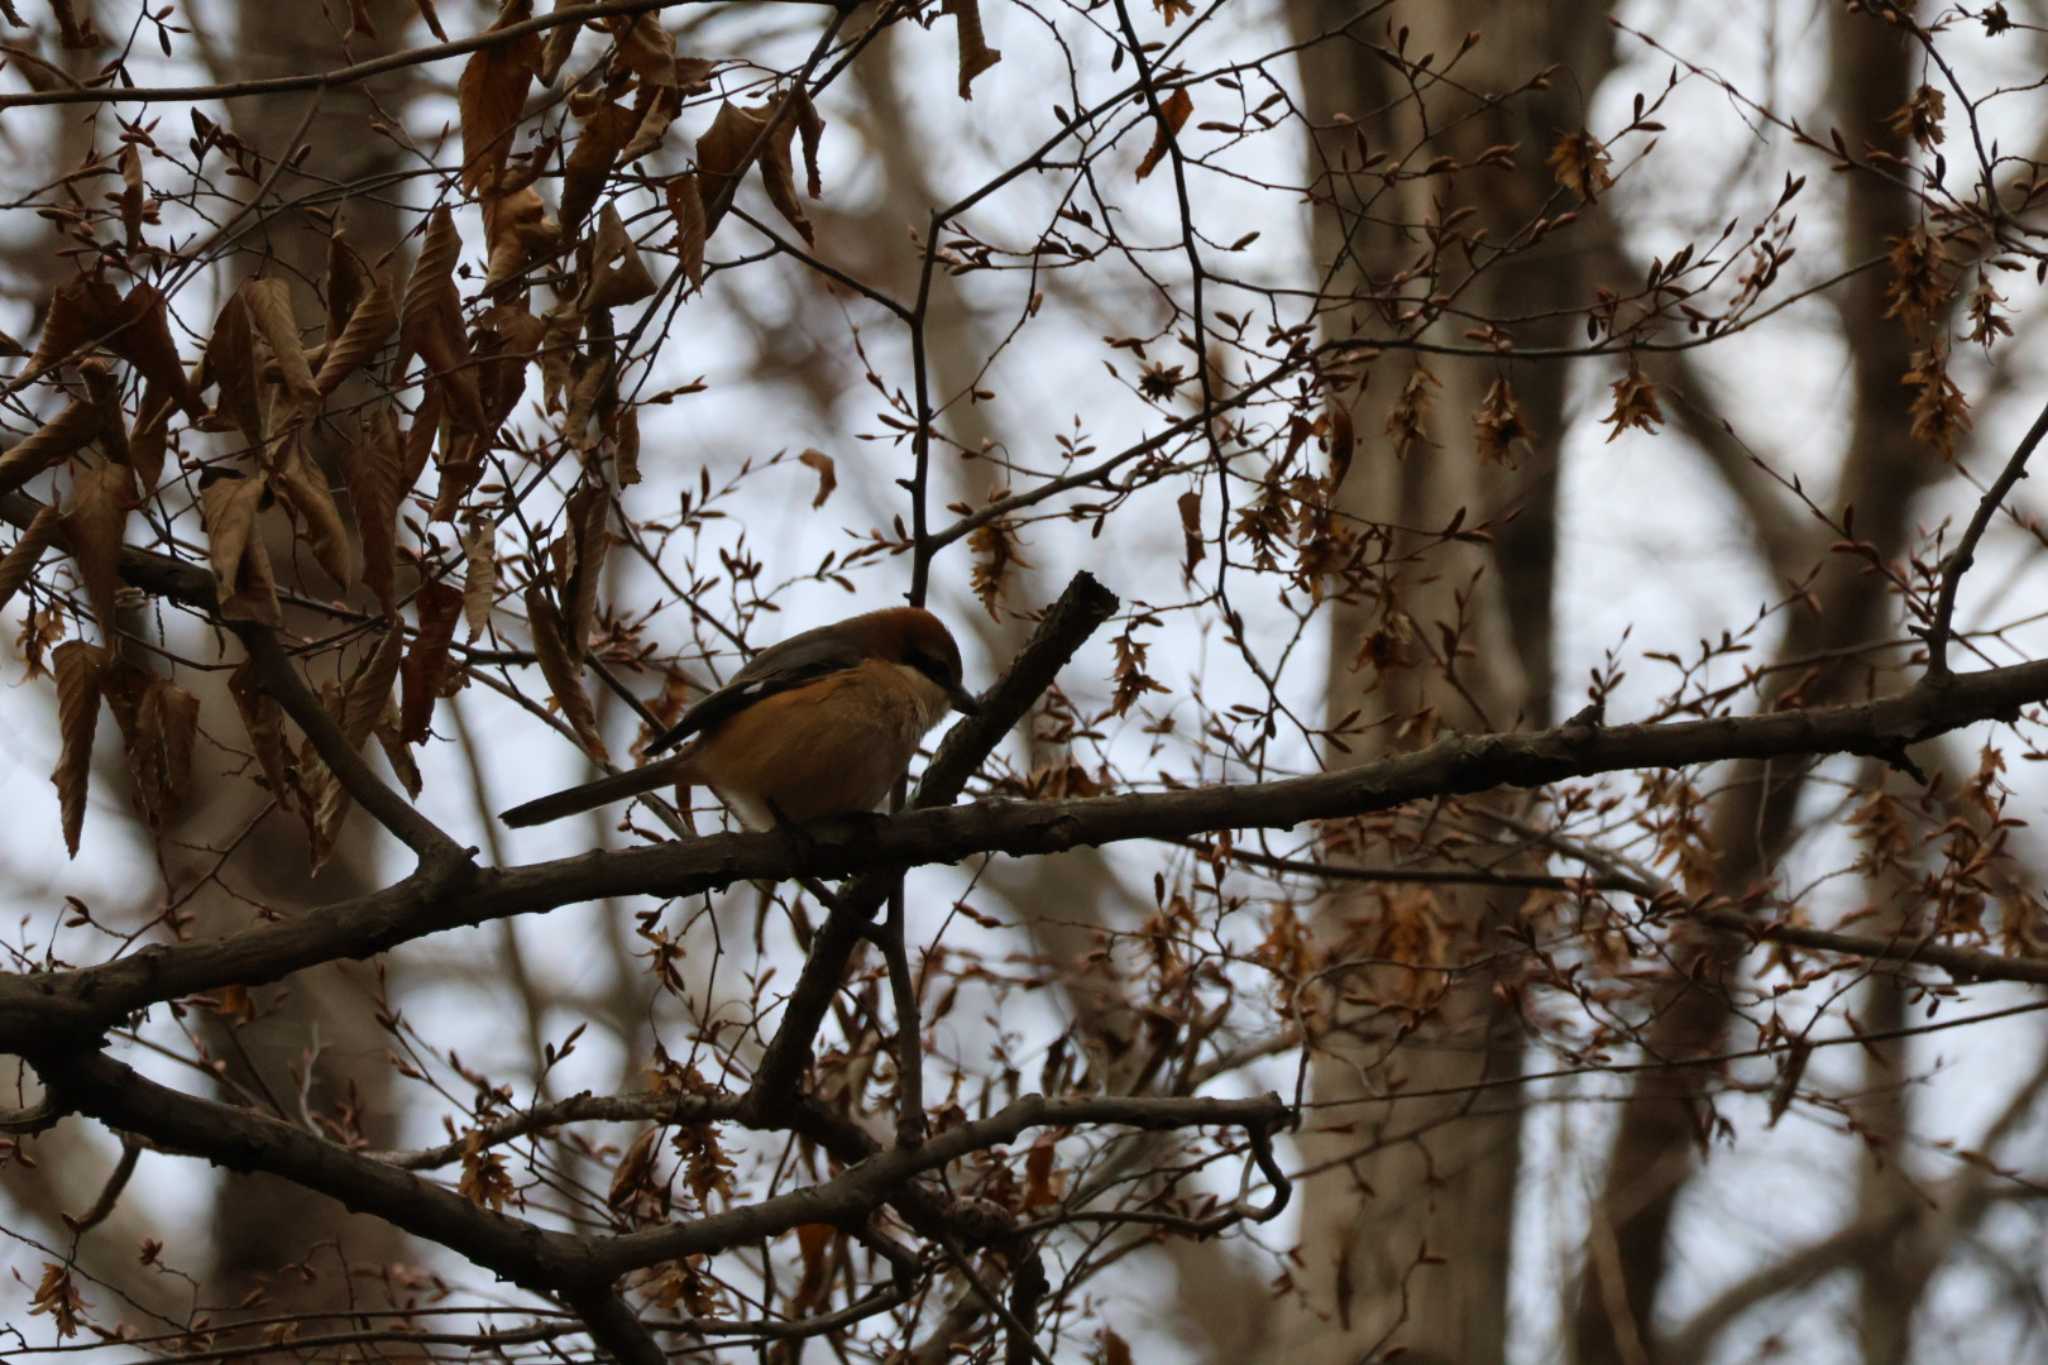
[(1965, 554)]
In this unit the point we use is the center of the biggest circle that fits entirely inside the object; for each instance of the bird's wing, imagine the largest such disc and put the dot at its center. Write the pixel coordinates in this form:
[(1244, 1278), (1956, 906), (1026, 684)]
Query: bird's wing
[(800, 659)]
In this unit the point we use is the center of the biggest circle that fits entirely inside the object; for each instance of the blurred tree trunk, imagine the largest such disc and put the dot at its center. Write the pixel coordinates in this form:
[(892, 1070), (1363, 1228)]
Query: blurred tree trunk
[(261, 1225), (1435, 1178), (1664, 1124)]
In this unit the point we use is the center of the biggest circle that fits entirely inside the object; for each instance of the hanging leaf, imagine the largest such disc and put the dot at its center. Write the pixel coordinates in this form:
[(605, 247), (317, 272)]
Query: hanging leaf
[(686, 202), (480, 576), (589, 544), (269, 302), (229, 362), (976, 56), (604, 135), (74, 426), (617, 274), (735, 139), (828, 475), (160, 743), (78, 667), (517, 232), (1174, 111), (428, 666), (241, 564), (93, 525), (303, 490), (369, 326), (560, 670), (375, 485), (263, 718), (20, 562), (430, 323), (491, 95)]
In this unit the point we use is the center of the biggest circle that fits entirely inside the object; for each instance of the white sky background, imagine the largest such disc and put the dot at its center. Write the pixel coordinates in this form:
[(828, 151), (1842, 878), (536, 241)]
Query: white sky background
[(1625, 506)]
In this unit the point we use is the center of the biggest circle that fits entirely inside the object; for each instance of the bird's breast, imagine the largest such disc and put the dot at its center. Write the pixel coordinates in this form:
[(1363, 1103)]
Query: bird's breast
[(830, 747)]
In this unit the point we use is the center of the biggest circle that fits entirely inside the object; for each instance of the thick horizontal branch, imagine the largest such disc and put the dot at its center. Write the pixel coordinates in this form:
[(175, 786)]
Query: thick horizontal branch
[(56, 1009)]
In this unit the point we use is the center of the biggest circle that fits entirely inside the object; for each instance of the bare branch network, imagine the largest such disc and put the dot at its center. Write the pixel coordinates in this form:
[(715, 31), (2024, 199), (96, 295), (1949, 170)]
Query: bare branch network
[(357, 457)]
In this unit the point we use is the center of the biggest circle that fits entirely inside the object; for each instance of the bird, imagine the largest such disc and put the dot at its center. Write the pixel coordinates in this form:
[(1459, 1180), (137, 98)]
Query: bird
[(821, 724)]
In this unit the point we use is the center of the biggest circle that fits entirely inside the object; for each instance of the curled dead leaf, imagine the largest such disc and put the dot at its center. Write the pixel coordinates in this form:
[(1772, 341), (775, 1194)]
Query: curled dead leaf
[(480, 576), (78, 667), (828, 474), (686, 202), (976, 56), (93, 525)]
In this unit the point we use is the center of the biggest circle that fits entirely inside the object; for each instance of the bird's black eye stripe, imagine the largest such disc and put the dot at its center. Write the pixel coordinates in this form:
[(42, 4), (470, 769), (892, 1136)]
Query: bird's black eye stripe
[(930, 667)]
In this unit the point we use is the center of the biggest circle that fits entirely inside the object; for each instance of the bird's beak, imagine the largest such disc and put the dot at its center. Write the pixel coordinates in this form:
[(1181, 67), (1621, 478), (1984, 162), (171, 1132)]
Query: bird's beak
[(963, 700)]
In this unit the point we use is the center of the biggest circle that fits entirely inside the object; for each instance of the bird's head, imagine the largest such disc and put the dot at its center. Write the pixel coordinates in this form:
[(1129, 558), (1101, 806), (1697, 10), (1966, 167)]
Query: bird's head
[(915, 638)]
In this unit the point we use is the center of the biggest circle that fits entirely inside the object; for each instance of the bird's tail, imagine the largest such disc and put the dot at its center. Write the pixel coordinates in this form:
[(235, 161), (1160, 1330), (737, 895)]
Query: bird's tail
[(591, 795)]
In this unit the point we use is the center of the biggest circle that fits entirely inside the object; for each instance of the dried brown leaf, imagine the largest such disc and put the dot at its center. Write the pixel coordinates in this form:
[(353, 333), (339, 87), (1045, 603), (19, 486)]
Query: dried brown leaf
[(734, 141), (230, 363), (430, 323), (1635, 404), (269, 302), (369, 688), (828, 474), (93, 525), (142, 337), (349, 279), (131, 195), (263, 718), (105, 392), (491, 95), (686, 202), (369, 326), (605, 133), (80, 310), (976, 56), (433, 20), (994, 546), (589, 544), (429, 665), (302, 488), (1174, 111), (20, 561), (241, 564), (1580, 162), (480, 576), (504, 343), (78, 667), (74, 426), (160, 747), (372, 469), (1194, 548), (398, 753), (557, 44), (561, 671), (617, 274), (517, 232)]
